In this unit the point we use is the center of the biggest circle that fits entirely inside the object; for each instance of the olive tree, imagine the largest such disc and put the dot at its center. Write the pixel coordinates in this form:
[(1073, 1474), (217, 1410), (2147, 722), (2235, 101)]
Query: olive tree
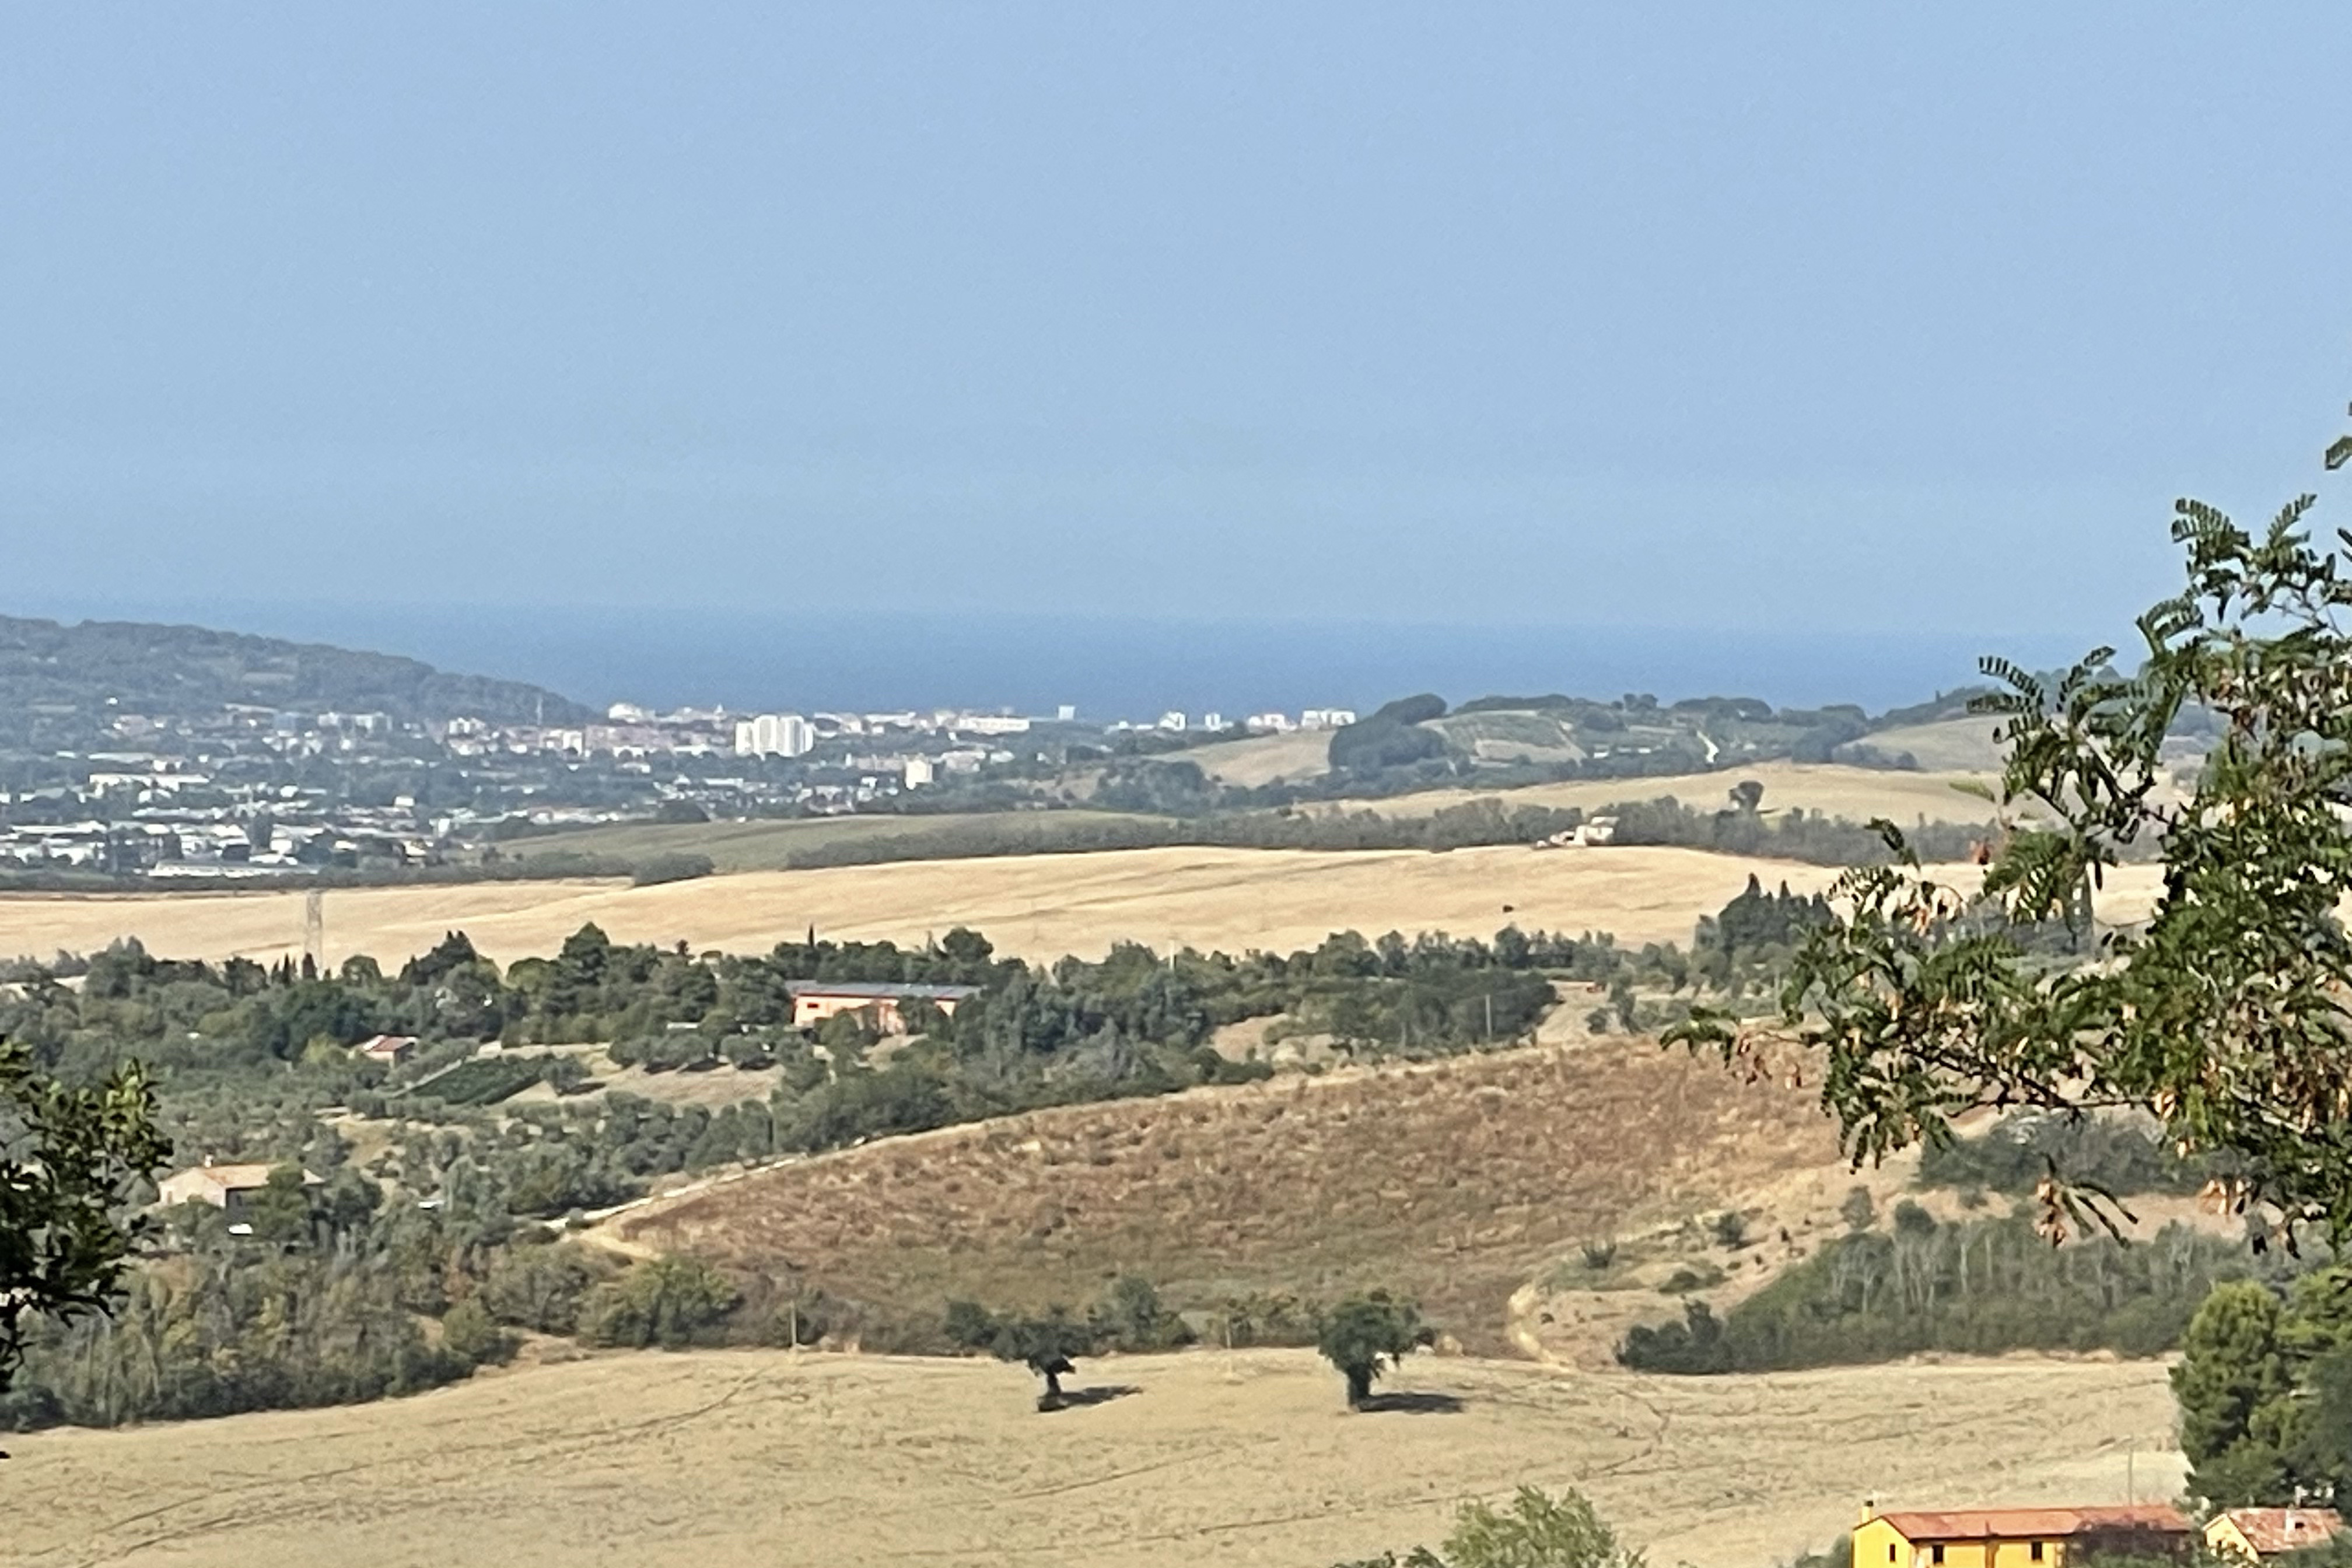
[(1047, 1344), (2228, 1014), (1365, 1334)]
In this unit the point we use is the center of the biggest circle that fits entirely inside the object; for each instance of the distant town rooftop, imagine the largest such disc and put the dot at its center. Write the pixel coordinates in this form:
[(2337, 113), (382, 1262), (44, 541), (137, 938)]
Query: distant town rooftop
[(879, 990)]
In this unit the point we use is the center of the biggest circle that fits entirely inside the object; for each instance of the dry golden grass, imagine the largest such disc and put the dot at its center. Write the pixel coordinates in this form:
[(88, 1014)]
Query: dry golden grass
[(1265, 758), (1856, 794), (730, 1459), (1454, 1181), (1041, 906), (1966, 744)]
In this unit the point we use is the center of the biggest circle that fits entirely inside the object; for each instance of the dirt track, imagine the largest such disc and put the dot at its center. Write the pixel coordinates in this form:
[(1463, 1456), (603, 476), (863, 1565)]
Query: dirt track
[(720, 1460)]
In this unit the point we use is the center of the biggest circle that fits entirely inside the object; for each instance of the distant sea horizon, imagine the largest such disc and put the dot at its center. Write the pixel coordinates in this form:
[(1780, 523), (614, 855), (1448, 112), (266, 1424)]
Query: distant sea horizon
[(1107, 668)]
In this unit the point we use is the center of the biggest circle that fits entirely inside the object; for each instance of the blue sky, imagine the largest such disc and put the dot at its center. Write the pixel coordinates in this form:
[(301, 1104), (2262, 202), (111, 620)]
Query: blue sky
[(1862, 320)]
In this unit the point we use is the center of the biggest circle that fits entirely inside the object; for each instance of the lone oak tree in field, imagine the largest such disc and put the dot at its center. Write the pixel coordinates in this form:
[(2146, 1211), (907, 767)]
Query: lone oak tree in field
[(2229, 1015), (67, 1158), (1046, 1344), (1364, 1334)]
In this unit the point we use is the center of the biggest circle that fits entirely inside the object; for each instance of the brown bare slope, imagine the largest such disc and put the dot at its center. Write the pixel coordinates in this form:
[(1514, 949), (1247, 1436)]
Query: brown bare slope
[(1455, 1180)]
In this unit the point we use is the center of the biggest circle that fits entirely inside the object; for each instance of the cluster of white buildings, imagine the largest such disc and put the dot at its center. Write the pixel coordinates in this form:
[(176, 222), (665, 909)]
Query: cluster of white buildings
[(1179, 723)]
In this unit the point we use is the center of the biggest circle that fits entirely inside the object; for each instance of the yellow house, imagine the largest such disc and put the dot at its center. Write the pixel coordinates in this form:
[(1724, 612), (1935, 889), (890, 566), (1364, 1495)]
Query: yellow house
[(2254, 1533), (2016, 1537)]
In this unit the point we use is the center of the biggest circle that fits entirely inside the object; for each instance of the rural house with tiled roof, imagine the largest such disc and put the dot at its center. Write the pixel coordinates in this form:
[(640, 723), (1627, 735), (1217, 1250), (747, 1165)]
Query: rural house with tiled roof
[(2259, 1533), (223, 1186), (2016, 1537)]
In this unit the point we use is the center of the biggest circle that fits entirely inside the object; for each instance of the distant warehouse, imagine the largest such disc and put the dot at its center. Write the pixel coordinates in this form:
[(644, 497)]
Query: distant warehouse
[(814, 1001)]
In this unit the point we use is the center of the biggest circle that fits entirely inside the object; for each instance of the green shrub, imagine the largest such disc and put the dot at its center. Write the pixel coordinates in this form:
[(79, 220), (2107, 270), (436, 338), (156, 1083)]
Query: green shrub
[(470, 1331), (668, 1302)]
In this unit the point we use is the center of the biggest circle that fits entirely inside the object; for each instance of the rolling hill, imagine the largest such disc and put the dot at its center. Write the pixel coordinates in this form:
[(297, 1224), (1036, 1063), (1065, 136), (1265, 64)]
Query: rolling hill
[(1457, 1181), (65, 672)]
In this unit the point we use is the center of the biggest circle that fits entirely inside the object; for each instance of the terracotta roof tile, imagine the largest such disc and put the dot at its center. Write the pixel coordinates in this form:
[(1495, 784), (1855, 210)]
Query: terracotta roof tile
[(2275, 1529), (2043, 1523)]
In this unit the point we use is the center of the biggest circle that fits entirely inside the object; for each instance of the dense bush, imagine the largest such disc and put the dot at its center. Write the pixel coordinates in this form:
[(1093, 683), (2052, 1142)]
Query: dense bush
[(1533, 1531), (485, 1080), (1383, 742), (2111, 1153), (1978, 1286), (670, 1302), (212, 1337)]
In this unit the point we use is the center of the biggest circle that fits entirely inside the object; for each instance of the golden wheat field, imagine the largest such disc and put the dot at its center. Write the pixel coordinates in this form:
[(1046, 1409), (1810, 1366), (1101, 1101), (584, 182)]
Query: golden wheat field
[(727, 1459), (1040, 906)]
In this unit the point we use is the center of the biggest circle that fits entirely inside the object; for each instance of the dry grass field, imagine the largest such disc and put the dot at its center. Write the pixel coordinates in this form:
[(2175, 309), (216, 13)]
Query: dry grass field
[(1265, 759), (730, 1459), (1456, 1181), (1041, 906), (1965, 743), (1830, 788), (772, 846)]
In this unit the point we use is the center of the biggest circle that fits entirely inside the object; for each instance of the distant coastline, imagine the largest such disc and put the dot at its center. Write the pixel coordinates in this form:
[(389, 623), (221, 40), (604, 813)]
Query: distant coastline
[(880, 656)]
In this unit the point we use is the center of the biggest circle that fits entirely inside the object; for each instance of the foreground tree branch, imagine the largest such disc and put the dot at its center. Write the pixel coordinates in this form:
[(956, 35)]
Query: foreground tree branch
[(2228, 1016), (68, 1157)]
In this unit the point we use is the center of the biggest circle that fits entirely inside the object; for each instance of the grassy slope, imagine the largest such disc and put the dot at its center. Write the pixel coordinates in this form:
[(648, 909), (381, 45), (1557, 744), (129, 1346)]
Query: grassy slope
[(1262, 759), (1456, 1181), (1830, 788), (1948, 743)]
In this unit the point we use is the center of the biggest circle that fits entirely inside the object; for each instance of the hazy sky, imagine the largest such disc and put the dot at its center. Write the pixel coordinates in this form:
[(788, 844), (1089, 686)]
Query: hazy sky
[(1639, 315)]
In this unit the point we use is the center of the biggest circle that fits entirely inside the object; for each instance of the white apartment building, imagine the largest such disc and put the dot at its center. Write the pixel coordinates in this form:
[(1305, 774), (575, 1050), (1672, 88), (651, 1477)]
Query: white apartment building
[(1327, 718), (988, 725), (774, 735)]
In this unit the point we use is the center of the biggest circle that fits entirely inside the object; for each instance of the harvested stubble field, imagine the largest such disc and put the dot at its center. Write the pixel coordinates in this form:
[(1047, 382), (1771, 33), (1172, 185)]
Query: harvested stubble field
[(728, 1459), (1831, 789), (1456, 1182), (1040, 906)]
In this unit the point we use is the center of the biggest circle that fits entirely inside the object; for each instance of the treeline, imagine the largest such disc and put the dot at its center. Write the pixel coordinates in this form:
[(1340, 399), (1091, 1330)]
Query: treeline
[(2104, 1154), (1793, 834), (1472, 824), (403, 1301), (218, 1335), (1976, 1286), (2264, 1390), (1806, 836)]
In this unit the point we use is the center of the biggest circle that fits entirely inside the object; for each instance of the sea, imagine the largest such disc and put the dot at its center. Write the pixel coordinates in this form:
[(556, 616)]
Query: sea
[(1107, 668)]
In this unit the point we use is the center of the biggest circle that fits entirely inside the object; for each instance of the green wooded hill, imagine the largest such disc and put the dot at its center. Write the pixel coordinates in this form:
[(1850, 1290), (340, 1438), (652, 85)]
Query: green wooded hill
[(64, 674)]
